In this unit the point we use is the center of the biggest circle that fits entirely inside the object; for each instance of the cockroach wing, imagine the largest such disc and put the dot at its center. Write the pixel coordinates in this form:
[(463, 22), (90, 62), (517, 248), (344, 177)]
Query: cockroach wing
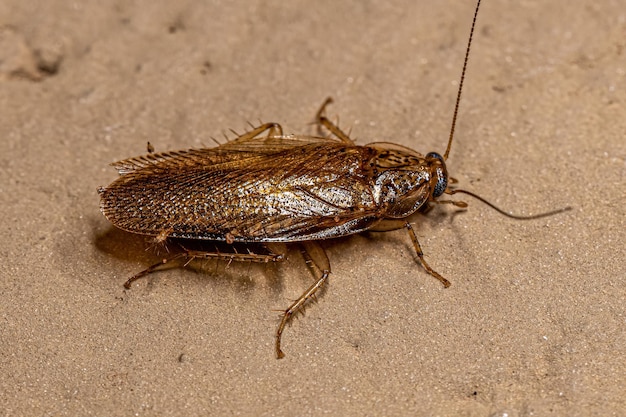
[(286, 188), (236, 150)]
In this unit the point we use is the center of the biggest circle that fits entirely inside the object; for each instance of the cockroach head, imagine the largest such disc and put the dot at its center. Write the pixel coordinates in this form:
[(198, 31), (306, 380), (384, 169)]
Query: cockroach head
[(439, 168)]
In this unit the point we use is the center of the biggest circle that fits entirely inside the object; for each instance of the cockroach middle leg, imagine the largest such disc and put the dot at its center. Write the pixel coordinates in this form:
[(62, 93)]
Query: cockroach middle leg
[(322, 120), (248, 256), (189, 255), (316, 259)]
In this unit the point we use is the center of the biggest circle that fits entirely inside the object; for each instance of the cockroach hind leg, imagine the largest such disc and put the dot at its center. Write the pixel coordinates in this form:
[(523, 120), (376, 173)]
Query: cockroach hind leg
[(235, 256), (316, 257), (154, 268), (189, 255), (296, 307), (322, 120), (162, 236), (273, 130), (420, 256), (278, 250)]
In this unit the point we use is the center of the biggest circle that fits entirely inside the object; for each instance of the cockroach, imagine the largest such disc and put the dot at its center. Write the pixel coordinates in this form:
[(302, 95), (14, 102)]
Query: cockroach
[(266, 188)]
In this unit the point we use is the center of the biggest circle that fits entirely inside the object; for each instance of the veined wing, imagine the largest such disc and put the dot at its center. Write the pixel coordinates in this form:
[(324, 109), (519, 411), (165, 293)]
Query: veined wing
[(288, 192)]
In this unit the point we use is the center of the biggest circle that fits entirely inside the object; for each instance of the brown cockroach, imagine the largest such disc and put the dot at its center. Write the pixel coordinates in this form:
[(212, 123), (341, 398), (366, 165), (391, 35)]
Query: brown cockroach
[(268, 188)]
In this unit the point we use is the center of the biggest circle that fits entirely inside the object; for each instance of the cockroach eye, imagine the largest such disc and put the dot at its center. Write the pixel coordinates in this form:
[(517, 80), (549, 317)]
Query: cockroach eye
[(442, 175)]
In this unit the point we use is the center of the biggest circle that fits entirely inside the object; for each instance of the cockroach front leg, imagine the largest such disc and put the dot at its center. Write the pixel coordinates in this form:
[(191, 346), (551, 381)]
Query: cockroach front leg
[(322, 120), (317, 260), (188, 255), (389, 224), (420, 256)]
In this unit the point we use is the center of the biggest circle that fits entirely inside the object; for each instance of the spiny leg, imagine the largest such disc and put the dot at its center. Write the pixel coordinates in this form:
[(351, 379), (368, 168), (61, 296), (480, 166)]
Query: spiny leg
[(391, 224), (322, 120), (153, 268), (188, 255), (274, 130), (316, 258), (420, 255), (248, 256)]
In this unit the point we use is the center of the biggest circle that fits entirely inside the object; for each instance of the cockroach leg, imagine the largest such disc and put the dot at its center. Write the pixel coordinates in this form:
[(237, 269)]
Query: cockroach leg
[(420, 255), (388, 225), (274, 130), (236, 257), (456, 203), (189, 255), (322, 120), (153, 268), (316, 259)]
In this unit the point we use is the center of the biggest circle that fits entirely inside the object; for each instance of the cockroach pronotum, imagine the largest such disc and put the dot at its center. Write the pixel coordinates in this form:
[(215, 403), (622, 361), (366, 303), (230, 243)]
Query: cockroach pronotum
[(266, 188)]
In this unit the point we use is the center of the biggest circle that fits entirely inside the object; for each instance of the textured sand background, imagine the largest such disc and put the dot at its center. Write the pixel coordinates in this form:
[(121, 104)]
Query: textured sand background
[(534, 323)]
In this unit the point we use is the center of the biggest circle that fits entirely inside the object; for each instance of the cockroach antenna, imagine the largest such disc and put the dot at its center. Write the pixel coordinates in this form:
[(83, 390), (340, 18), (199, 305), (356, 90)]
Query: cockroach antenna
[(450, 139), (458, 94)]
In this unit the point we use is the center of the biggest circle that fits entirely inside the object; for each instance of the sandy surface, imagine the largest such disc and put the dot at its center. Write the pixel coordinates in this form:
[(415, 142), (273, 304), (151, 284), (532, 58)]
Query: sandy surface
[(534, 323)]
